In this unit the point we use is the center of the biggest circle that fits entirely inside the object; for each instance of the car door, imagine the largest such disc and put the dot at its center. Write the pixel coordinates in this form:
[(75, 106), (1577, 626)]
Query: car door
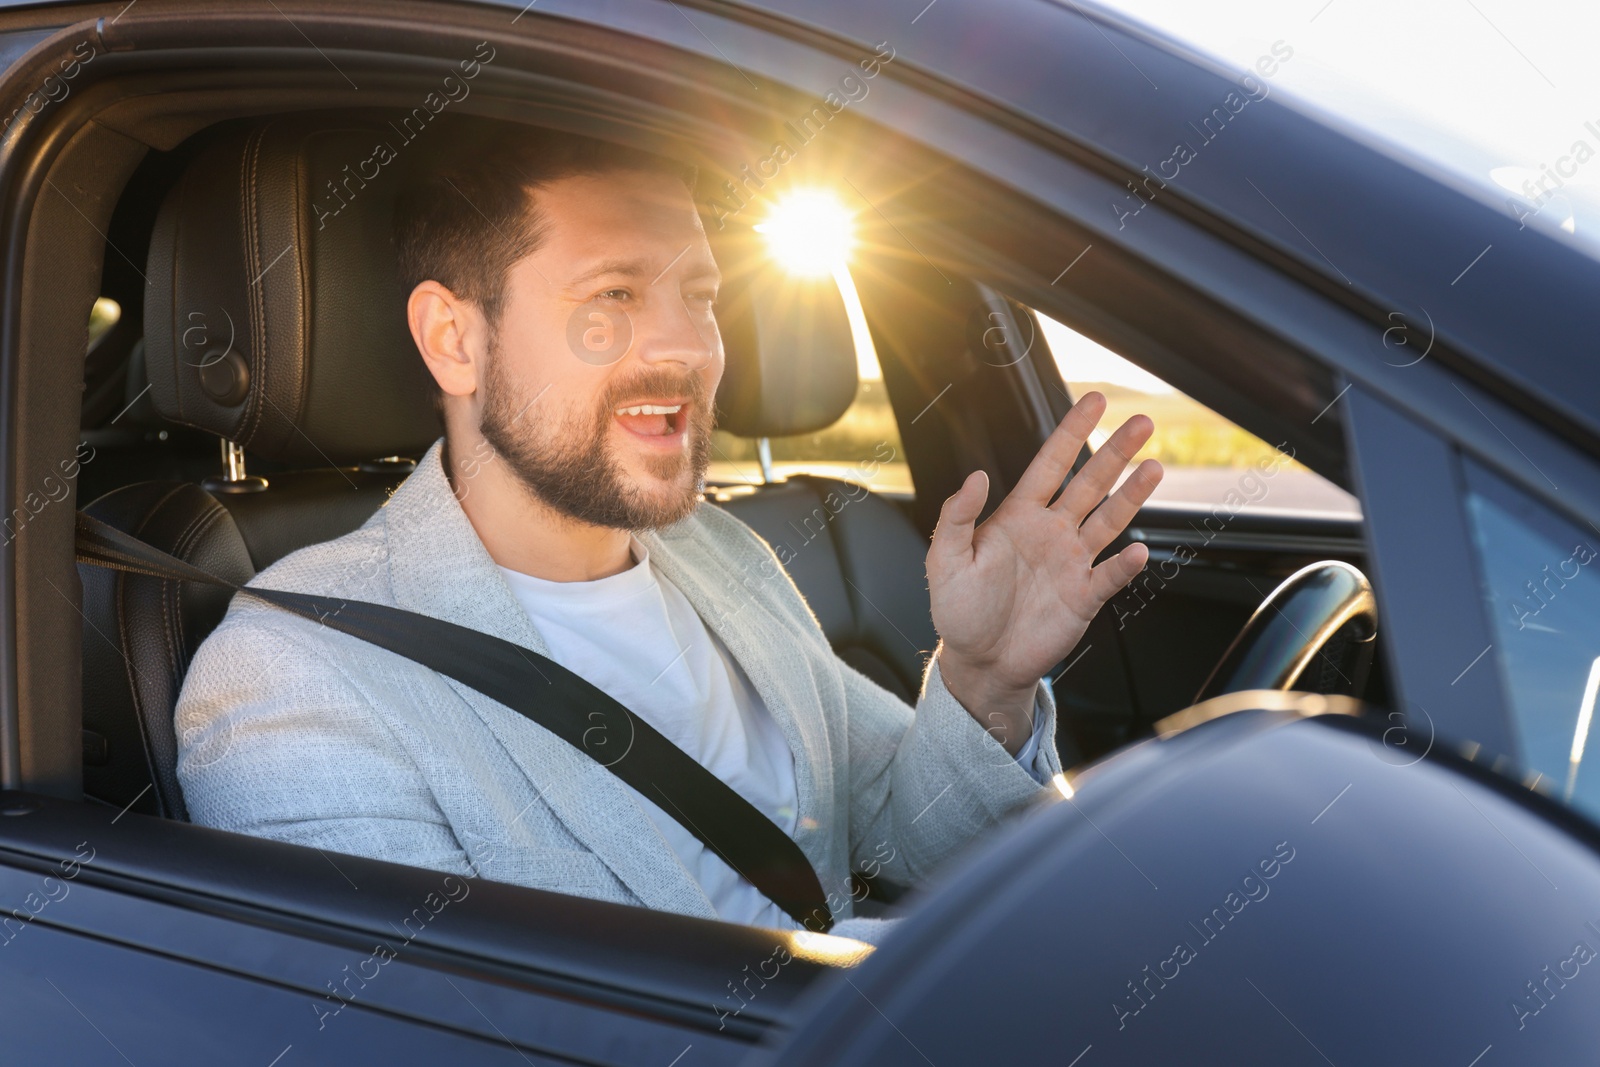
[(155, 941)]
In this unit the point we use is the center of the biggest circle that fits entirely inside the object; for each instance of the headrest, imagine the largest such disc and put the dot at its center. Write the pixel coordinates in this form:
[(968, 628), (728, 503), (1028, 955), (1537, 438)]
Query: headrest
[(791, 359), (273, 315)]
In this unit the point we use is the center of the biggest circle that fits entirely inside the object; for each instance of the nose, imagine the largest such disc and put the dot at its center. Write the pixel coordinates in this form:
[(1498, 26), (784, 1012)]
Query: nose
[(674, 332)]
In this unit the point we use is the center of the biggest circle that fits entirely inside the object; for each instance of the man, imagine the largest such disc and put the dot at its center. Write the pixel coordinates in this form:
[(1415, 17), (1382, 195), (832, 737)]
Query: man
[(561, 511)]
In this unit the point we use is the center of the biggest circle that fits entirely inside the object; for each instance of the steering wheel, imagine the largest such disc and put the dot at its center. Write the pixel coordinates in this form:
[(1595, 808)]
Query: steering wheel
[(1316, 631)]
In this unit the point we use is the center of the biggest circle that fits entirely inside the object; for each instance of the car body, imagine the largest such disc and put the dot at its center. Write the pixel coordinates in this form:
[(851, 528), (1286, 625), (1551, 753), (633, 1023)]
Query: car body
[(1301, 282)]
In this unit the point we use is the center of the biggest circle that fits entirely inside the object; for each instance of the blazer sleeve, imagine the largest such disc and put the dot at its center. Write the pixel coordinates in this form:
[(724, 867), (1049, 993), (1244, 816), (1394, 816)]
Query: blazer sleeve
[(921, 789), (273, 737)]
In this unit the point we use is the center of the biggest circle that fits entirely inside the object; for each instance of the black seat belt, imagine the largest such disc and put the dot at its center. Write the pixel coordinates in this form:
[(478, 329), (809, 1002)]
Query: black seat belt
[(545, 692)]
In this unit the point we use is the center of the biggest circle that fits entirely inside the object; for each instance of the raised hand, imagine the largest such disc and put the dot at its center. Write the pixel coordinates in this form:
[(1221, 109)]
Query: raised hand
[(1014, 596)]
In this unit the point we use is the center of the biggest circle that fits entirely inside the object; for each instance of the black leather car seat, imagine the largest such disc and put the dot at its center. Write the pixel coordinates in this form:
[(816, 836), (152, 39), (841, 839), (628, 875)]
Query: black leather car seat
[(280, 328), (139, 635), (275, 322)]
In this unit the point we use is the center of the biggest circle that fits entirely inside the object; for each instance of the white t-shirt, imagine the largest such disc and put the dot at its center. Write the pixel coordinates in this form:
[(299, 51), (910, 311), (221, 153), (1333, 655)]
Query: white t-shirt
[(636, 637)]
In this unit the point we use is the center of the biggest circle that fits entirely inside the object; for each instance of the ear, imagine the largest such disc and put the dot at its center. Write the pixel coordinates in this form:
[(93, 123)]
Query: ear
[(452, 336)]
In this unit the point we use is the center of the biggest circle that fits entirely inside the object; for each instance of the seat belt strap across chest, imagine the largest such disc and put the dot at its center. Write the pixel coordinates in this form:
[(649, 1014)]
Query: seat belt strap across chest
[(545, 692)]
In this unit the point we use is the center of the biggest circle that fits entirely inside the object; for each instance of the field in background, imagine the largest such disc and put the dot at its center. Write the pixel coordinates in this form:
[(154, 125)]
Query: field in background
[(1188, 434), (1203, 453), (1206, 457)]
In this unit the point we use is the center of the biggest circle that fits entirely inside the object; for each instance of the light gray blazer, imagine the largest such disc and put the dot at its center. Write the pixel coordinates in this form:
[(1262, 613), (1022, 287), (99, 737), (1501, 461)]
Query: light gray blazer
[(293, 731)]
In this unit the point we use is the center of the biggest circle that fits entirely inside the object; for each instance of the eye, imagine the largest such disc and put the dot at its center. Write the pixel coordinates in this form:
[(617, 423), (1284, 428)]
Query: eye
[(614, 294)]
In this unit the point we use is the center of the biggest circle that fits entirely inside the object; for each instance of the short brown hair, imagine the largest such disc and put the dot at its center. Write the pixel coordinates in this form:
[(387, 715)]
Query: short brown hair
[(466, 220)]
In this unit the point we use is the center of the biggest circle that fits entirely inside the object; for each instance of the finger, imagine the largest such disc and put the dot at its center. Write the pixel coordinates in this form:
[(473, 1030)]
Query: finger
[(1112, 517), (1091, 484), (1060, 450), (1109, 576), (952, 537)]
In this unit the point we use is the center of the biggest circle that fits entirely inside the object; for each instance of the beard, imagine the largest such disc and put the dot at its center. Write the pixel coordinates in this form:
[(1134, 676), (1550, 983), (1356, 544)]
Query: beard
[(567, 463)]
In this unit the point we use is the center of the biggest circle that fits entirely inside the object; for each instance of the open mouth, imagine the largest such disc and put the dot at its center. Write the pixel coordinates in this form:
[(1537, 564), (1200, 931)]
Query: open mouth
[(660, 419)]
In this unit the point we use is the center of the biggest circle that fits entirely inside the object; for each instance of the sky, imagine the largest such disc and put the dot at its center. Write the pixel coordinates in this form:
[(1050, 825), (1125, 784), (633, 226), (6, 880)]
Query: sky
[(1488, 90), (1082, 360)]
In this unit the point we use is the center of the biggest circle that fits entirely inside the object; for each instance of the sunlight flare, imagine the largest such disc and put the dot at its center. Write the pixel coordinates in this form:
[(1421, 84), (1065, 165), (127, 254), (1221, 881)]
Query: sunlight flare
[(809, 232)]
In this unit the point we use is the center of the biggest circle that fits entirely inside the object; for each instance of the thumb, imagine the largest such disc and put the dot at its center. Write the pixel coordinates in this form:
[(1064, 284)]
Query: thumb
[(952, 537)]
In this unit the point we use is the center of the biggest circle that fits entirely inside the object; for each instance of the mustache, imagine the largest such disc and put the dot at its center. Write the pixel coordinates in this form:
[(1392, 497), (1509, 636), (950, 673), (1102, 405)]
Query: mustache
[(655, 382)]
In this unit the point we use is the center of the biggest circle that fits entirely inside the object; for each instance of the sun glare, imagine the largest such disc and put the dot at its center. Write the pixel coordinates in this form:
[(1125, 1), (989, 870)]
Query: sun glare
[(809, 233)]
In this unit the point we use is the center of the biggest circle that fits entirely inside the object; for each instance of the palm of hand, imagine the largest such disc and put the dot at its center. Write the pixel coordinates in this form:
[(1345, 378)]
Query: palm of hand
[(1015, 595)]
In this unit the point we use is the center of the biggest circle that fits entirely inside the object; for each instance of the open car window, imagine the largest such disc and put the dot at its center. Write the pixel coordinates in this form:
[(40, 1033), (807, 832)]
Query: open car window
[(1204, 455)]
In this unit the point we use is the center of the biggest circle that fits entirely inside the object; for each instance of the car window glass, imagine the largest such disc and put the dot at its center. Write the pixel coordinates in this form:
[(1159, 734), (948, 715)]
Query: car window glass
[(1202, 452), (1540, 579), (863, 446)]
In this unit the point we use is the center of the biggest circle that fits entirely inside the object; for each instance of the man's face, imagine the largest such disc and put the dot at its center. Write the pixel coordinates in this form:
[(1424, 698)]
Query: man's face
[(606, 356)]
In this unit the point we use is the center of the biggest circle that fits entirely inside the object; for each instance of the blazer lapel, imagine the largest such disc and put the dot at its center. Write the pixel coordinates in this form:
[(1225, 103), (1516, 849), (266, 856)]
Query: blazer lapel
[(439, 567)]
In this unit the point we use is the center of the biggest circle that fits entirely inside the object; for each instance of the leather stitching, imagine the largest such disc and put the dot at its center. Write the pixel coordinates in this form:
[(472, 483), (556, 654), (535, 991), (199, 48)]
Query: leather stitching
[(127, 627), (255, 293), (171, 614), (302, 295), (192, 535)]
